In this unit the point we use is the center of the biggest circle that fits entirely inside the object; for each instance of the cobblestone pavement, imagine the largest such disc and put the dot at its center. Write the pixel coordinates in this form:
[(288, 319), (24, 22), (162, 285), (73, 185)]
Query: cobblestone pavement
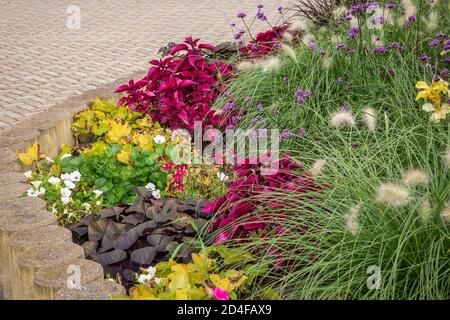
[(43, 61)]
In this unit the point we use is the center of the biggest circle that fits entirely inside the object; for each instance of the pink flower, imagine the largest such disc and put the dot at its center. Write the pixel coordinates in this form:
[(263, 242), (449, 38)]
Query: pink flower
[(220, 294)]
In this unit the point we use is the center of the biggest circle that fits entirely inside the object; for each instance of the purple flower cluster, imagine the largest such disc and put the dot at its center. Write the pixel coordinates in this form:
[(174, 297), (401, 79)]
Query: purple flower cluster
[(301, 96), (259, 107), (312, 46), (424, 58), (353, 33), (380, 50), (395, 46), (256, 119), (241, 15), (286, 134), (434, 43), (363, 7), (228, 106), (301, 132), (341, 46), (391, 6)]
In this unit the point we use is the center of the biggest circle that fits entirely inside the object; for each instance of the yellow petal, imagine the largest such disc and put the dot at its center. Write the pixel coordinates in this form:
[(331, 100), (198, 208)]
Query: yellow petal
[(422, 95), (31, 155), (421, 85)]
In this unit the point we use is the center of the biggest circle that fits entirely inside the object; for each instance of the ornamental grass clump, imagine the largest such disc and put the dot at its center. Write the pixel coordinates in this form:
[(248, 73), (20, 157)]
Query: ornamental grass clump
[(376, 213)]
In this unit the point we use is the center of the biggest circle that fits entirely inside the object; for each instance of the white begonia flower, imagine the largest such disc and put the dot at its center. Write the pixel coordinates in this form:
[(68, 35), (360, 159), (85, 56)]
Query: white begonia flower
[(65, 155), (36, 184), (144, 277), (54, 180), (69, 184), (151, 271), (65, 200), (28, 174), (32, 193), (156, 194), (65, 192), (150, 186), (159, 139), (97, 193), (65, 176), (222, 176), (50, 160), (41, 191), (75, 176)]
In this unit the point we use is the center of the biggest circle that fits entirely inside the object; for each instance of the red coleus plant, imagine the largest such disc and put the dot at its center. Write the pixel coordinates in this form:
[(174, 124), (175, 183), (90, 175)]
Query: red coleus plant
[(245, 210), (180, 89), (267, 42)]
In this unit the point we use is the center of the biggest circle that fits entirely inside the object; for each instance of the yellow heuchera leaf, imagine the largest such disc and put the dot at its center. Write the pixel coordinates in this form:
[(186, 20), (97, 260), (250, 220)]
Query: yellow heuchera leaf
[(237, 278), (199, 268), (98, 148), (227, 283), (181, 294), (179, 278), (118, 131), (143, 123), (103, 105), (32, 154), (144, 141), (142, 292), (100, 128), (218, 281), (124, 155)]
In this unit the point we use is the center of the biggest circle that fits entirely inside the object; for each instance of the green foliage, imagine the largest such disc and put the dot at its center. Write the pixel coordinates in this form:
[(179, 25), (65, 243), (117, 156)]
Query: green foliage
[(116, 179)]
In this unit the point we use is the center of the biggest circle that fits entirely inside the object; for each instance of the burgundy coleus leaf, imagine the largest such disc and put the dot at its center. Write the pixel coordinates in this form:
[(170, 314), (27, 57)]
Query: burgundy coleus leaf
[(207, 46), (179, 47)]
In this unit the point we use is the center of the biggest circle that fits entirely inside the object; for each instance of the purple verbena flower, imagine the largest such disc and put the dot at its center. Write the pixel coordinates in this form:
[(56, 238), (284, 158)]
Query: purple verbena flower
[(442, 35), (312, 46), (301, 96), (322, 53), (228, 106), (301, 131), (341, 46), (241, 15), (424, 58), (339, 80), (380, 49), (436, 78), (434, 43), (444, 73), (256, 119), (286, 134), (260, 107), (391, 6), (412, 18), (354, 30)]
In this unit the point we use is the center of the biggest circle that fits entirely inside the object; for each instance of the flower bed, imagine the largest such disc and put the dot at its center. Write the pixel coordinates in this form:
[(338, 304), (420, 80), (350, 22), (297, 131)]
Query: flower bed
[(360, 183)]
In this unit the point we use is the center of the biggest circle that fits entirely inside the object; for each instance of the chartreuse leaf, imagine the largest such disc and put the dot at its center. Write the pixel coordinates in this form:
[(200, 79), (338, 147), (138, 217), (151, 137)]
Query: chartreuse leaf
[(31, 155), (118, 131), (124, 155), (103, 105)]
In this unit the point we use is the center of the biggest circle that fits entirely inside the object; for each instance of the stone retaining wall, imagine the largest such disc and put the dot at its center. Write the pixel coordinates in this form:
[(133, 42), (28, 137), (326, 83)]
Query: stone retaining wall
[(37, 257)]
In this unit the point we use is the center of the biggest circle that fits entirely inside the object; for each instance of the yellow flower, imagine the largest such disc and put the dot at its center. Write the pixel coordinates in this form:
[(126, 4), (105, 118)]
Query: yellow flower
[(439, 112), (434, 94)]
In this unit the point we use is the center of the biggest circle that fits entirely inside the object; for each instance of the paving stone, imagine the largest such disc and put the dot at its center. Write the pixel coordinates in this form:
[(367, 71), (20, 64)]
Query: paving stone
[(61, 62)]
